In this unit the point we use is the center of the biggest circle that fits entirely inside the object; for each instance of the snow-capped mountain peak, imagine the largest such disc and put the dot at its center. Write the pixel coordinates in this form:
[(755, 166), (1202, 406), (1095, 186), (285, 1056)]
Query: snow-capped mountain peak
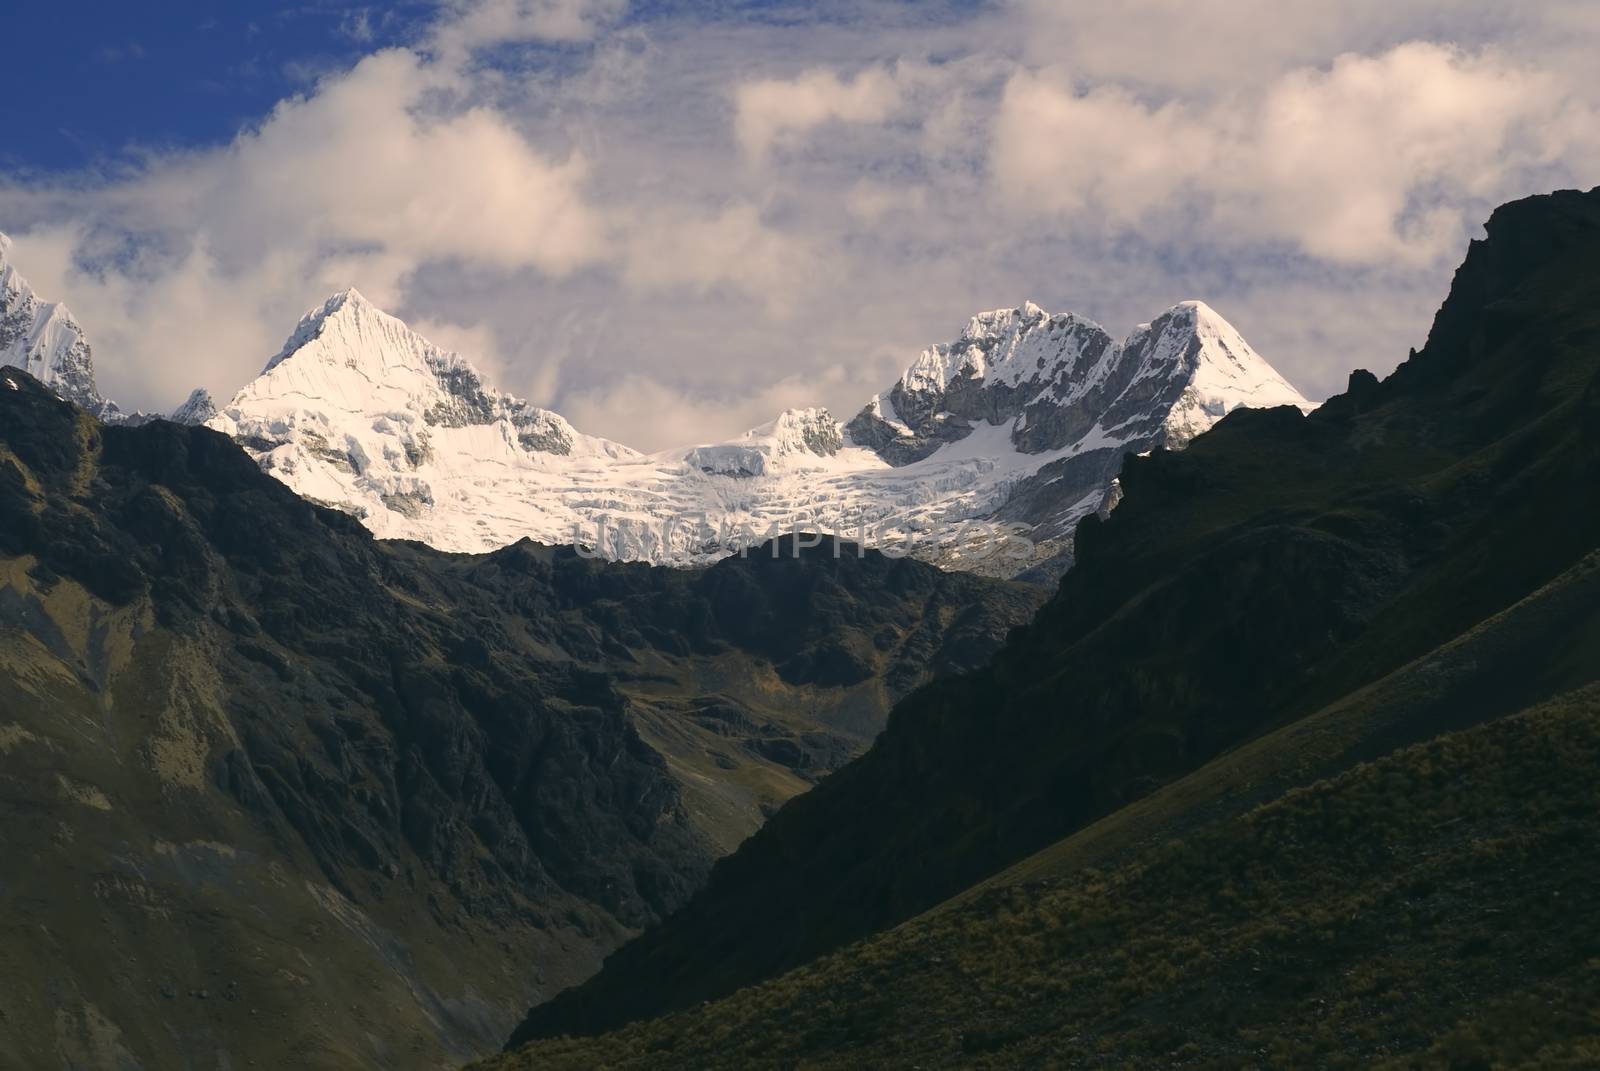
[(1056, 379), (350, 356), (1205, 367), (797, 439), (43, 339), (197, 409), (350, 315), (359, 410), (1010, 346)]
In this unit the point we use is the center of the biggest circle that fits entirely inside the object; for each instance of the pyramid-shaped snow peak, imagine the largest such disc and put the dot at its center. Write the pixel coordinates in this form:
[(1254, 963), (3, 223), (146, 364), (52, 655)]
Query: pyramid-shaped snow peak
[(360, 411), (1191, 349), (196, 409), (348, 367)]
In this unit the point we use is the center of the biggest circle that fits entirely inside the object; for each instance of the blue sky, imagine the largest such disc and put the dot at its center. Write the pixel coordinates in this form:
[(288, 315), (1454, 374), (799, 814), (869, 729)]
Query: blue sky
[(108, 77), (670, 219)]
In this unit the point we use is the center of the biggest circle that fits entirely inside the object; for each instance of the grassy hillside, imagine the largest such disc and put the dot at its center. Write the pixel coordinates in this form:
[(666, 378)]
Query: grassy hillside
[(1438, 908), (1556, 629), (1279, 568)]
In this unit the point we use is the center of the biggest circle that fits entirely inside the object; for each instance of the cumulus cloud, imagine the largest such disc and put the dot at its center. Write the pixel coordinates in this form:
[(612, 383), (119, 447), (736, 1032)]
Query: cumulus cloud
[(773, 111), (1370, 158), (363, 163)]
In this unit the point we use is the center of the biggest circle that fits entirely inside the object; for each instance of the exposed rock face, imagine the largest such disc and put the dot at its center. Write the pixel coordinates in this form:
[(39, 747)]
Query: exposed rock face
[(1011, 366)]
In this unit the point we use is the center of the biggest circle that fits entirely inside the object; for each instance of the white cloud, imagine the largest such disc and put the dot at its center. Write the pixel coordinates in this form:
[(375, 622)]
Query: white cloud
[(1059, 151), (359, 183), (1370, 158), (774, 111), (362, 162), (728, 250)]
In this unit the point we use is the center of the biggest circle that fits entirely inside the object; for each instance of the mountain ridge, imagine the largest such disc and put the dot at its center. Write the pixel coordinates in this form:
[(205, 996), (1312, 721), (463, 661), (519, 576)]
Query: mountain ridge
[(1433, 908)]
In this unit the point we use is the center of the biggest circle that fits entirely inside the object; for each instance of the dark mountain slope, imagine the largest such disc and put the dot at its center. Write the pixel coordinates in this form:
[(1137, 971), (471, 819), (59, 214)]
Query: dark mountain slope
[(1278, 565), (1439, 908), (272, 790), (1556, 629)]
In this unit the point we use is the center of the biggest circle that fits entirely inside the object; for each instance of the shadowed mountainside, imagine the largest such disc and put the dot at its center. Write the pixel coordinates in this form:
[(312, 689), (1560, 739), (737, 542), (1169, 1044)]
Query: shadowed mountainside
[(272, 790), (1437, 908), (1282, 567)]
